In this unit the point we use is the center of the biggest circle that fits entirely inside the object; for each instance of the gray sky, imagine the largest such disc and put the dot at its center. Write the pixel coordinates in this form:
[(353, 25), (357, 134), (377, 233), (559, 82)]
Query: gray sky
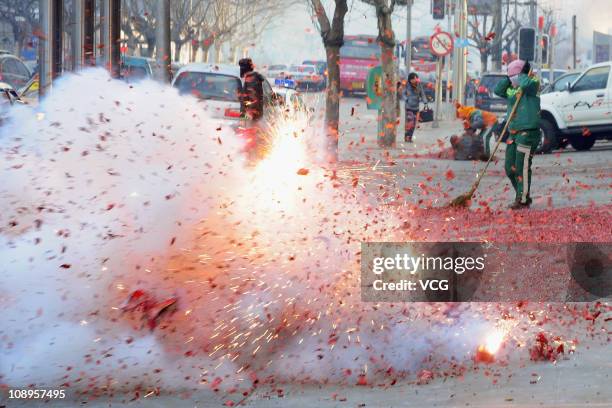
[(295, 38)]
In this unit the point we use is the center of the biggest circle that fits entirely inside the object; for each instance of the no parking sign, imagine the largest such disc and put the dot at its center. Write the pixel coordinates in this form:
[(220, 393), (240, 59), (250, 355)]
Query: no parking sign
[(441, 44)]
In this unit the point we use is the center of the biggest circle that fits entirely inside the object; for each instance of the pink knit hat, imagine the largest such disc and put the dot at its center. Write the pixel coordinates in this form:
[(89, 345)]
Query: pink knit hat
[(515, 67)]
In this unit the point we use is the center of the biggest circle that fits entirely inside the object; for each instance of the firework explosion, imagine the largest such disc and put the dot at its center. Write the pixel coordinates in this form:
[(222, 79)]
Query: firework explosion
[(135, 228)]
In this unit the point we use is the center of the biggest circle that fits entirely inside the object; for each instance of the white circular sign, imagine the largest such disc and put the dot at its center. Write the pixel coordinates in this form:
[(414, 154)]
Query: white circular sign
[(441, 44)]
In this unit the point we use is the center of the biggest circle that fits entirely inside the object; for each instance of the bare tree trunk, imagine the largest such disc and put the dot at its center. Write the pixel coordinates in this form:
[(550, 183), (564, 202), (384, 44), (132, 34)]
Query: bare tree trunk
[(150, 46), (388, 118), (233, 53), (332, 34), (206, 52), (484, 59), (18, 46), (177, 50), (194, 52), (332, 100), (218, 53)]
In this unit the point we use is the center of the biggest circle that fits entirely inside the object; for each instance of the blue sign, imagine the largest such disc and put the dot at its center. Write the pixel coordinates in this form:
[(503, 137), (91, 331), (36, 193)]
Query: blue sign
[(462, 43), (285, 83)]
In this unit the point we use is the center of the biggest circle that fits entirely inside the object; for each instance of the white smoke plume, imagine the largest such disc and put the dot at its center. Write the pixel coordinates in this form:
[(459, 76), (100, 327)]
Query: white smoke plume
[(110, 188)]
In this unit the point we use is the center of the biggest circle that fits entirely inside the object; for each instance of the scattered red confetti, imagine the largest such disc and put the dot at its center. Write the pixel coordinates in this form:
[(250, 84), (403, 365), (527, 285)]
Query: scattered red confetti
[(424, 377)]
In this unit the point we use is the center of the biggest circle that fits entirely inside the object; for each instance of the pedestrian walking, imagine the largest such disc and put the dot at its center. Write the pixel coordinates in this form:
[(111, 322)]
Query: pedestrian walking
[(413, 95), (524, 128)]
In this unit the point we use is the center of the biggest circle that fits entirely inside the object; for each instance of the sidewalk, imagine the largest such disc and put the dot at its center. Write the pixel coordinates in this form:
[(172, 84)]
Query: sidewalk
[(358, 136)]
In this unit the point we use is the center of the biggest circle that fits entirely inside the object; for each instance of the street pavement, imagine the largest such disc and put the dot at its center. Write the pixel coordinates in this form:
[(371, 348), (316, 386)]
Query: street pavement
[(562, 179)]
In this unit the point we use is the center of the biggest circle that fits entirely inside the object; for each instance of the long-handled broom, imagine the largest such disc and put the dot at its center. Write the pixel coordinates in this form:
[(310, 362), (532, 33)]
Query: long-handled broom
[(463, 200)]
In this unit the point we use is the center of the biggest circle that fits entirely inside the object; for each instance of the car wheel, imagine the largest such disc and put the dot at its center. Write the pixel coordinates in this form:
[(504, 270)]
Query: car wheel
[(548, 138), (582, 143)]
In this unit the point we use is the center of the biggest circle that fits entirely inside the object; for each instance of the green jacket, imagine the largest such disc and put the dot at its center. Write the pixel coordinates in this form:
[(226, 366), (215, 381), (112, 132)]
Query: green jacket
[(528, 111)]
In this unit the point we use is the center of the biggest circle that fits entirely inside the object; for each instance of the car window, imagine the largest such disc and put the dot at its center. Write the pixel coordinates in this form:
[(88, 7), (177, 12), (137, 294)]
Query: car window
[(596, 78), (13, 73), (134, 73), (8, 67), (205, 85), (561, 84), (302, 68), (21, 69)]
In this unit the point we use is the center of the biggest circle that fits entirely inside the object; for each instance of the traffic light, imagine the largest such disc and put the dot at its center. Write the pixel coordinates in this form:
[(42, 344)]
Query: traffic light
[(545, 54), (527, 44), (438, 8)]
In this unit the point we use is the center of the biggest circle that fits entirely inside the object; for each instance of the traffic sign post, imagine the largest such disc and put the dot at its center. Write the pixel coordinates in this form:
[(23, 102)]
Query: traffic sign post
[(440, 45)]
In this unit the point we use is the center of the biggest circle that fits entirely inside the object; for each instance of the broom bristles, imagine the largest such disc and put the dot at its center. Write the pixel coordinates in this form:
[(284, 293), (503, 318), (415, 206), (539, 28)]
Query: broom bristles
[(461, 201)]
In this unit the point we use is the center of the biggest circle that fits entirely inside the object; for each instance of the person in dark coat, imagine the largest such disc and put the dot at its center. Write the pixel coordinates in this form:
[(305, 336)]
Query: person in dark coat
[(252, 99), (413, 95)]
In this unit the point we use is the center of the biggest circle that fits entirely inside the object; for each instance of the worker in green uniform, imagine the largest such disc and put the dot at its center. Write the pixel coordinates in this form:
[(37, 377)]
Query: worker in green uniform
[(524, 128)]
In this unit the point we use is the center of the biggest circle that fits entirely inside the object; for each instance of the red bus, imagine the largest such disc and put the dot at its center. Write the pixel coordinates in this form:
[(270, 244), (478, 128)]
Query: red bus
[(422, 58), (358, 54), (362, 52)]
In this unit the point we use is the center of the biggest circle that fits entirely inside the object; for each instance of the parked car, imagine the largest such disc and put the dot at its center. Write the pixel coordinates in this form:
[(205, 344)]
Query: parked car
[(485, 98), (306, 77), (290, 99), (579, 113), (428, 82), (134, 69), (218, 87), (13, 71), (321, 67), (8, 98), (276, 71), (546, 77)]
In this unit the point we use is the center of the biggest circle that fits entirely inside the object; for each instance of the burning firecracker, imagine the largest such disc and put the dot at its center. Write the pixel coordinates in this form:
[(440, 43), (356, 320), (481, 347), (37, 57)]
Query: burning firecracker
[(486, 352)]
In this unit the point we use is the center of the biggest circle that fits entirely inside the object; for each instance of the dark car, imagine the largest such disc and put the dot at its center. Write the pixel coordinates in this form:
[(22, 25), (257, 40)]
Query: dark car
[(13, 71), (428, 82), (485, 99)]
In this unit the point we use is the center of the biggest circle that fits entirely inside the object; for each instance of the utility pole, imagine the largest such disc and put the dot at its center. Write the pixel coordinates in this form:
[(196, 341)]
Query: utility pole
[(574, 29), (516, 41), (164, 59), (89, 32), (83, 34), (111, 29), (50, 50), (533, 13), (497, 43), (460, 59), (78, 33), (408, 58), (533, 22), (449, 57), (551, 53)]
